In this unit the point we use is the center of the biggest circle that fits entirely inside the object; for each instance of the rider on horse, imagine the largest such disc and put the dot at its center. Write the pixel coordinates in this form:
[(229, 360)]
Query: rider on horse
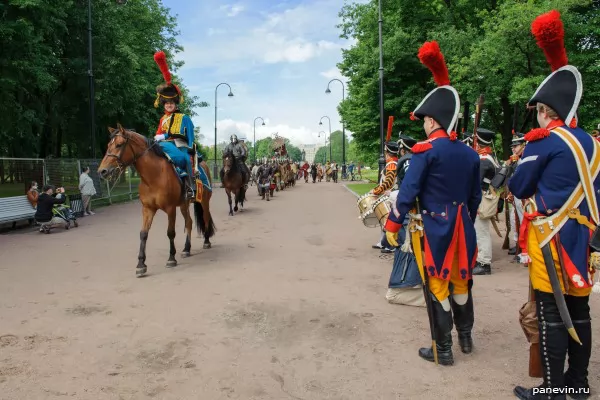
[(238, 149), (175, 130)]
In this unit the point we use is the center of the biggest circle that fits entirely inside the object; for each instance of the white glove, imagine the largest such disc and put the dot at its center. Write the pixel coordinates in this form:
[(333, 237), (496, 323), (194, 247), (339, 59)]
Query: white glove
[(158, 138)]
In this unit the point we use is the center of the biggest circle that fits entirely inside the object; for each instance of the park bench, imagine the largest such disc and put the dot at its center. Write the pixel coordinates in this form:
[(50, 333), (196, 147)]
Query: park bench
[(14, 209)]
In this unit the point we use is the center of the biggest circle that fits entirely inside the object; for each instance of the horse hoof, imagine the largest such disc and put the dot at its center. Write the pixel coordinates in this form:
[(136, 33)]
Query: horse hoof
[(140, 272), (171, 263), (207, 246), (231, 213), (235, 209), (185, 254)]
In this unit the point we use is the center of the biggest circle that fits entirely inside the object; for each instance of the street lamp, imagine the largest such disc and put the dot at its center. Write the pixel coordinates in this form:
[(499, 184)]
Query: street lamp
[(325, 153), (215, 172), (91, 77), (381, 105), (263, 124), (343, 124), (321, 123)]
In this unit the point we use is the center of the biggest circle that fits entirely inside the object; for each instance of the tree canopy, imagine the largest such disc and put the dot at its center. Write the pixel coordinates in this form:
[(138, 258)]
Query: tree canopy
[(488, 47), (44, 73)]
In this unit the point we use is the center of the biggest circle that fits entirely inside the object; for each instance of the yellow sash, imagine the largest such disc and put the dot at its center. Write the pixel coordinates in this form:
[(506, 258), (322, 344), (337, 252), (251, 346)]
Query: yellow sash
[(547, 227)]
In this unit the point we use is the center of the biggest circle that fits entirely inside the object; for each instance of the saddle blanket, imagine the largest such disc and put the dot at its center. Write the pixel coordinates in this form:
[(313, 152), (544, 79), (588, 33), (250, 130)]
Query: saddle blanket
[(179, 157)]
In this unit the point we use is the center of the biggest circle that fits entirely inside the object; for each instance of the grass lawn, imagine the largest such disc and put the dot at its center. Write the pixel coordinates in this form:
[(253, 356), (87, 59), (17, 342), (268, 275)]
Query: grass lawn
[(369, 174), (361, 188)]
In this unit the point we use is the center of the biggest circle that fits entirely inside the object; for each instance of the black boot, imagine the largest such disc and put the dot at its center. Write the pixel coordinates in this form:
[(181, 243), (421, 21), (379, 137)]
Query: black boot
[(191, 187), (482, 269), (512, 251), (576, 376), (464, 318), (443, 336), (554, 340)]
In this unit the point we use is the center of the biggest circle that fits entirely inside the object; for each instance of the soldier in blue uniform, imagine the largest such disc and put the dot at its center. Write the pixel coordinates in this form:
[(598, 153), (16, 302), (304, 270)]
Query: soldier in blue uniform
[(444, 177), (559, 172), (175, 132)]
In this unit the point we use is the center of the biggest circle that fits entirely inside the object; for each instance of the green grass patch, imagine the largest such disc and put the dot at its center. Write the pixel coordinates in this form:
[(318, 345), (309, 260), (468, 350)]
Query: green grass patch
[(369, 174), (361, 188)]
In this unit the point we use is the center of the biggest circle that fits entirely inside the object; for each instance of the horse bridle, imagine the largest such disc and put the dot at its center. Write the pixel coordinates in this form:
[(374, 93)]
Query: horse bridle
[(120, 164)]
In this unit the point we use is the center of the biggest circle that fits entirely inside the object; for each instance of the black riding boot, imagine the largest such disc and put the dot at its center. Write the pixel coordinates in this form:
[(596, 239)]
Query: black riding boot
[(576, 376), (443, 336), (554, 340), (464, 318), (482, 269)]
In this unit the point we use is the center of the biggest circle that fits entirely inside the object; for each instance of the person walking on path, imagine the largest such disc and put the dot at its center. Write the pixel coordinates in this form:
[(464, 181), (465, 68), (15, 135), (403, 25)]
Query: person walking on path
[(87, 189)]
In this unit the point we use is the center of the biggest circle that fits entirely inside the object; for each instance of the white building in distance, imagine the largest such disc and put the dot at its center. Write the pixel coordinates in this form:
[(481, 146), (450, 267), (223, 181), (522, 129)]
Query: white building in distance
[(310, 150)]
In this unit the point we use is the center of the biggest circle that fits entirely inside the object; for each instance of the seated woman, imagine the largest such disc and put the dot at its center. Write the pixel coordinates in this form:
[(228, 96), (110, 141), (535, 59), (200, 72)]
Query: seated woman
[(46, 201)]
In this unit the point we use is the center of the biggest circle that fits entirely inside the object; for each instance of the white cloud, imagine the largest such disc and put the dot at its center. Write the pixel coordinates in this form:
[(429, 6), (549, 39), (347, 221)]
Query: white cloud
[(232, 9), (332, 73)]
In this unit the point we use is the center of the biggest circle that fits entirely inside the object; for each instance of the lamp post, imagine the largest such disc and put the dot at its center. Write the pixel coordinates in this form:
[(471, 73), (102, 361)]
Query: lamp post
[(321, 123), (215, 171), (91, 78), (263, 124), (325, 154), (343, 124), (381, 105)]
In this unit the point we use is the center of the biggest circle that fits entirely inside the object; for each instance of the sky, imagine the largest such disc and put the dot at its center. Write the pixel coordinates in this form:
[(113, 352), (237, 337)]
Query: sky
[(278, 57)]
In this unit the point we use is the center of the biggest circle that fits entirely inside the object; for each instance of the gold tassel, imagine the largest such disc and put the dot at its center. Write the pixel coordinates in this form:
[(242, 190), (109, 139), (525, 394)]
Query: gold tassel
[(157, 101)]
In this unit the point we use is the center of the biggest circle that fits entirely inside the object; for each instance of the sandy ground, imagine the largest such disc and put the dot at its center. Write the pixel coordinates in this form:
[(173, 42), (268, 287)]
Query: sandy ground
[(288, 304)]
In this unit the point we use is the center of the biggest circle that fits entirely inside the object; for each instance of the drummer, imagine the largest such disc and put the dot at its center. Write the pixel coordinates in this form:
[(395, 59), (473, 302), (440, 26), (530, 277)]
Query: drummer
[(386, 183)]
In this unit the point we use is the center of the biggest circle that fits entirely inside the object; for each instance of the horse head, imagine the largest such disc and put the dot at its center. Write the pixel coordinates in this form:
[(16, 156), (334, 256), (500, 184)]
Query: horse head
[(229, 162), (124, 148)]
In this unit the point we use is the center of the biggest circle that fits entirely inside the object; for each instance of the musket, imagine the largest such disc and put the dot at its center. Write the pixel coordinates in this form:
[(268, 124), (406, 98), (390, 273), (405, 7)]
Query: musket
[(419, 230), (478, 112)]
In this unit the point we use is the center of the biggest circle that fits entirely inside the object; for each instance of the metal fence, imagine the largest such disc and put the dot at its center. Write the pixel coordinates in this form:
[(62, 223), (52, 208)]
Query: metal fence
[(16, 175)]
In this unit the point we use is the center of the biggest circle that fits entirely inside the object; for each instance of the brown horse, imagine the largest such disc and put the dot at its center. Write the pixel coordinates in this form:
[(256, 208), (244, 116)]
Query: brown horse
[(233, 181), (160, 189)]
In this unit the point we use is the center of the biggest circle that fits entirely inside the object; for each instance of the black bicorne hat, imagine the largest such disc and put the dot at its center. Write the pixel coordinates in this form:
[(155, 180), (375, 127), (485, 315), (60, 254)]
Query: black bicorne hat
[(443, 102), (485, 136), (467, 138), (562, 89), (406, 142)]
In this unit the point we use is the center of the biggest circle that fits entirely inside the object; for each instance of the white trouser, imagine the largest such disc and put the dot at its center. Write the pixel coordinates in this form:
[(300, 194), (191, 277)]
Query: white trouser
[(54, 223), (513, 223), (392, 203), (484, 240)]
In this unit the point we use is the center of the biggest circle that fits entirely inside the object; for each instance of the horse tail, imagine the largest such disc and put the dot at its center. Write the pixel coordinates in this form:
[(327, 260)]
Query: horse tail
[(200, 223)]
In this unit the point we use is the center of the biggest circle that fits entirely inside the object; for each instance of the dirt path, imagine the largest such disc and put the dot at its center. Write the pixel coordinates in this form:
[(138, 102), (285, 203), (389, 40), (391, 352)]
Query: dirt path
[(288, 304)]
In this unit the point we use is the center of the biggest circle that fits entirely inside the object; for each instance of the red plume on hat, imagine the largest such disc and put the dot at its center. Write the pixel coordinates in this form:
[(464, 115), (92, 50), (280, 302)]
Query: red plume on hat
[(389, 128), (161, 60), (549, 33), (431, 56)]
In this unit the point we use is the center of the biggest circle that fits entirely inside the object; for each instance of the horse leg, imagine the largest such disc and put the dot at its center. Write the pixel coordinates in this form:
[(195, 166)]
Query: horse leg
[(229, 200), (147, 217), (236, 194), (209, 226), (185, 211), (171, 262)]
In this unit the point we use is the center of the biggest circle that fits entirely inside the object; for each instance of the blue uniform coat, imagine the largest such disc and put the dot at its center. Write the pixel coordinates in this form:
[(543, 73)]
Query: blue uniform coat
[(548, 172), (444, 175)]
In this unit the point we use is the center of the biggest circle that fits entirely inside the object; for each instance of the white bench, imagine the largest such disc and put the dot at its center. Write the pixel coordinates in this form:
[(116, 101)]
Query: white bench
[(16, 208)]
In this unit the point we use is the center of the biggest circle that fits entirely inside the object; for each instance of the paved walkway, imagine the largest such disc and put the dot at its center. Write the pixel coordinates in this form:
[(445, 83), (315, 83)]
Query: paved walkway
[(288, 304)]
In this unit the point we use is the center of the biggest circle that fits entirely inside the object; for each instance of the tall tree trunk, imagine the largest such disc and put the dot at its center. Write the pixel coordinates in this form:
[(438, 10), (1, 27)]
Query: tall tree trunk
[(58, 142)]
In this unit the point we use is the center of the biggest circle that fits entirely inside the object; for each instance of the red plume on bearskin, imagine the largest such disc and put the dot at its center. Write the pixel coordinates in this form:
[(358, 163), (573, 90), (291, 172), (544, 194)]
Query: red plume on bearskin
[(431, 56), (161, 60), (549, 33), (389, 129)]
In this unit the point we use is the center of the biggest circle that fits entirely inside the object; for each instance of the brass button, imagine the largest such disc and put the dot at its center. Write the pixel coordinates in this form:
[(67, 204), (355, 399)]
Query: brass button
[(454, 203), (443, 214), (424, 211), (433, 214)]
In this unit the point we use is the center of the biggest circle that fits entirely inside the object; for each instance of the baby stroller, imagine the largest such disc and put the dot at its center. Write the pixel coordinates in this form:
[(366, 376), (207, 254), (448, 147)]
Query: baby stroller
[(62, 212)]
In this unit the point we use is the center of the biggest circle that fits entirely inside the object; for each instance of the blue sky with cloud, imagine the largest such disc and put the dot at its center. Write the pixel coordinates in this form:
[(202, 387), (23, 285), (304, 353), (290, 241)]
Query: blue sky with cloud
[(277, 56)]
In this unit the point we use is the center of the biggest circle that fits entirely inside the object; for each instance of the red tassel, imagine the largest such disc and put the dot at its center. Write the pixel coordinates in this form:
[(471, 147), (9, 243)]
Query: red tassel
[(549, 33), (421, 147), (161, 60), (412, 117), (431, 56), (453, 136), (573, 123), (389, 129), (537, 134)]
